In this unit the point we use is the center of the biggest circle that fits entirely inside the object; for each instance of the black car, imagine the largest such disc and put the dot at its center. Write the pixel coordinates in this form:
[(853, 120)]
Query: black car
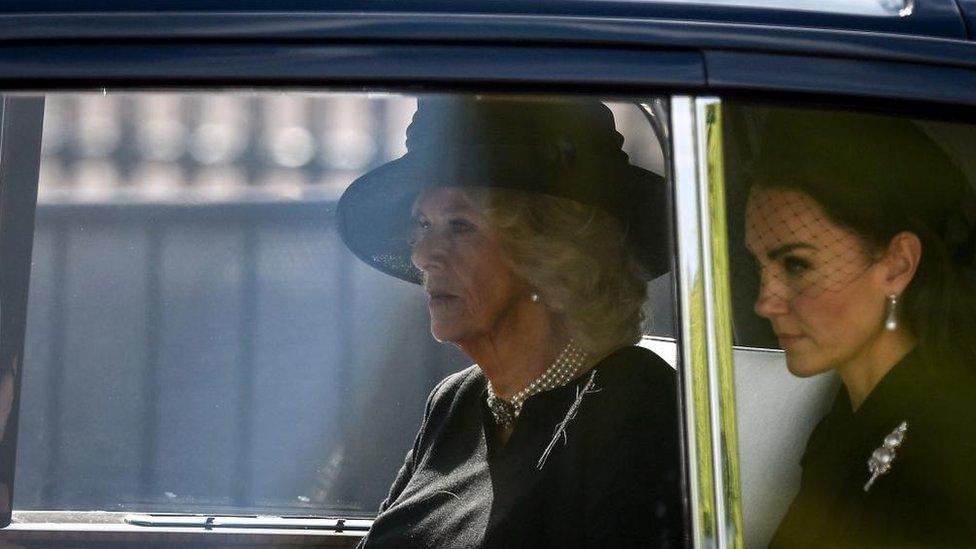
[(189, 355)]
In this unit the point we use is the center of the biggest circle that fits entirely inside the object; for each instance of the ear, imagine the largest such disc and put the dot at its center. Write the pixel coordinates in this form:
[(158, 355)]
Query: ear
[(901, 261)]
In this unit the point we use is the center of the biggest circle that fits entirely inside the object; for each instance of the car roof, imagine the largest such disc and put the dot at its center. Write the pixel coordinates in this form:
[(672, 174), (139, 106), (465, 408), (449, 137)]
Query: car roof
[(928, 18), (919, 54)]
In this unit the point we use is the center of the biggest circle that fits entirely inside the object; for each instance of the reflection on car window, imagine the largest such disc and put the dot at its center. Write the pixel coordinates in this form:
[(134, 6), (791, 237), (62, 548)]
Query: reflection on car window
[(854, 238), (875, 8), (212, 329)]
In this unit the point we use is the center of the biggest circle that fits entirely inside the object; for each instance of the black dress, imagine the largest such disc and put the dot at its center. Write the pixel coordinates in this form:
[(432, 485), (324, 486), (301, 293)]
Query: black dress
[(927, 499), (614, 481)]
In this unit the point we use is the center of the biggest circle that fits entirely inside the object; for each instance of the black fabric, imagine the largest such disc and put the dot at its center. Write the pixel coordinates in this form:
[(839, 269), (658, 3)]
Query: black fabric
[(927, 499), (615, 482)]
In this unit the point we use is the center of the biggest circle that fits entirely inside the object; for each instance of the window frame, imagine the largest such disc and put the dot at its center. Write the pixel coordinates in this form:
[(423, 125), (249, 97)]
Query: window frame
[(20, 150), (645, 66), (111, 527)]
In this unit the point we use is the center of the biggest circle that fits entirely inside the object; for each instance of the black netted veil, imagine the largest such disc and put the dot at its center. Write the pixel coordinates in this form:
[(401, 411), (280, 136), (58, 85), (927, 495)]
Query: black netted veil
[(827, 190)]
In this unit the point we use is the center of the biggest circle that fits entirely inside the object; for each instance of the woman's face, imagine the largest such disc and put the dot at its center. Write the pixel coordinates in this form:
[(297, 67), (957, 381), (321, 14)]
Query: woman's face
[(471, 292), (820, 289)]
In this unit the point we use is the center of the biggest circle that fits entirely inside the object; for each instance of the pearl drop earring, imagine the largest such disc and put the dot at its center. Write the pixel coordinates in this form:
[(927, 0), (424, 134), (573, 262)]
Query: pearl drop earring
[(891, 320), (535, 297)]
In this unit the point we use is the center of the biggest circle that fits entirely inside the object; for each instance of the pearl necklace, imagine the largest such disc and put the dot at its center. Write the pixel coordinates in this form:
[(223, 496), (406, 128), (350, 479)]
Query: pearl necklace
[(562, 370)]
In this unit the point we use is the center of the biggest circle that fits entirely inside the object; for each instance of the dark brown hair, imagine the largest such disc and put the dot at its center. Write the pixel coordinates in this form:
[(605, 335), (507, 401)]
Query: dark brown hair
[(878, 176)]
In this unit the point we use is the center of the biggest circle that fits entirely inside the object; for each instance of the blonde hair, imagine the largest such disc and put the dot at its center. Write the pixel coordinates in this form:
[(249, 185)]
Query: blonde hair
[(577, 257)]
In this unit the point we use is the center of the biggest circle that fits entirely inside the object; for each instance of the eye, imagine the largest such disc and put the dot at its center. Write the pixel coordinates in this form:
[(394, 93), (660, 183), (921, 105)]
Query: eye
[(795, 266), (418, 226), (461, 226)]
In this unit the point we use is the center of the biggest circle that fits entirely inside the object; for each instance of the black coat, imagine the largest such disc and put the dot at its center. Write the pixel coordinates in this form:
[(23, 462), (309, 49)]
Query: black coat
[(927, 499), (614, 481)]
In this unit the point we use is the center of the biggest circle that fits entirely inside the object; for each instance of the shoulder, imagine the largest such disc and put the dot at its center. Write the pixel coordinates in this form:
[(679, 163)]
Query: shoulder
[(943, 405), (639, 380), (941, 396), (451, 387), (638, 365), (449, 397), (636, 412)]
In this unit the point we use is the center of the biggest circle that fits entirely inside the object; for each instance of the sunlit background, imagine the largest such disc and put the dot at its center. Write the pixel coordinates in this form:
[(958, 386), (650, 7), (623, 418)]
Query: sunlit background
[(214, 147)]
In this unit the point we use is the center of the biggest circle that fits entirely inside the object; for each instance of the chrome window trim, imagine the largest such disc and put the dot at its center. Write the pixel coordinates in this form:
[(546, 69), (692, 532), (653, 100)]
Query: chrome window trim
[(705, 322), (688, 279), (718, 314), (758, 349), (39, 528)]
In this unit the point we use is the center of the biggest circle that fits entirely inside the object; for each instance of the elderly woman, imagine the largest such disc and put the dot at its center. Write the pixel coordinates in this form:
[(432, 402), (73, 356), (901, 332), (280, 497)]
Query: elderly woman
[(857, 225), (533, 237)]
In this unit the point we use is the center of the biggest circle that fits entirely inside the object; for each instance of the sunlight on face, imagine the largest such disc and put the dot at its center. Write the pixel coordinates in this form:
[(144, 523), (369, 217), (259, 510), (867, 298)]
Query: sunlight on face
[(471, 291), (820, 289)]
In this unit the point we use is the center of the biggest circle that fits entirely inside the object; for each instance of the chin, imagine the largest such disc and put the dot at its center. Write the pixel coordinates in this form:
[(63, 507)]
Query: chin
[(445, 333), (439, 336), (801, 367)]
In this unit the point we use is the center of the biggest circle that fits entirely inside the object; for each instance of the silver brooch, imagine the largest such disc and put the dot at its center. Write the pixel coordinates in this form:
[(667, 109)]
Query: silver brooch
[(881, 459), (570, 414)]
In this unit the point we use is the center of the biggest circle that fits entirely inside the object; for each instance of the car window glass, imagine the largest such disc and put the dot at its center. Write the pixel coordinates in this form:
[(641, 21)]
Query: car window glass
[(201, 339), (851, 254)]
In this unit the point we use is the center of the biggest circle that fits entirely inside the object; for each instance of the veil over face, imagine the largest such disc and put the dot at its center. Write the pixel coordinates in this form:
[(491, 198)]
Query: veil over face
[(822, 291), (798, 250)]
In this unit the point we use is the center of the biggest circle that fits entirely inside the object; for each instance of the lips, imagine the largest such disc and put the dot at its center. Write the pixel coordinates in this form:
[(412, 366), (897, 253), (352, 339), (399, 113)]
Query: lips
[(436, 297), (787, 340)]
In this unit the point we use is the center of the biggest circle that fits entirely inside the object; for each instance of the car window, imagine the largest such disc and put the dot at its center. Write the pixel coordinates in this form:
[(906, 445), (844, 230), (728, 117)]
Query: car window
[(208, 330), (851, 245)]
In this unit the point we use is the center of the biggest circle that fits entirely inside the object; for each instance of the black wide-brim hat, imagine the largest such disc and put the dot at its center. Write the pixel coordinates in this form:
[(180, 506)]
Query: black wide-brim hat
[(563, 148)]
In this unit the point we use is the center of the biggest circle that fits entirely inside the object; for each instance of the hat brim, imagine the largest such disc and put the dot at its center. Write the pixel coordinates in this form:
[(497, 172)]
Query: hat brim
[(374, 213)]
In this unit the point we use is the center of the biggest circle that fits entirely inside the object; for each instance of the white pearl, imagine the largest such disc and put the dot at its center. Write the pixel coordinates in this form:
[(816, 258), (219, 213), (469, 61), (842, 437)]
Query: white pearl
[(562, 370)]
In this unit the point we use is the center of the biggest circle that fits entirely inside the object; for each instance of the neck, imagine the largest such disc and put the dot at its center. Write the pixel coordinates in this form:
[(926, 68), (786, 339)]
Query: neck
[(862, 374), (516, 353)]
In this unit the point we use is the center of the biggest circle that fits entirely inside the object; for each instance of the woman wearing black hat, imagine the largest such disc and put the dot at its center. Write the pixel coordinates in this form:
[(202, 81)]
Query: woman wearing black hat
[(858, 225), (533, 237)]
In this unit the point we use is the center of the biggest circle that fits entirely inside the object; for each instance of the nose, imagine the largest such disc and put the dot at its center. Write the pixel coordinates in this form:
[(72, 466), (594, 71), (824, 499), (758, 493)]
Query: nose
[(429, 252), (773, 299)]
